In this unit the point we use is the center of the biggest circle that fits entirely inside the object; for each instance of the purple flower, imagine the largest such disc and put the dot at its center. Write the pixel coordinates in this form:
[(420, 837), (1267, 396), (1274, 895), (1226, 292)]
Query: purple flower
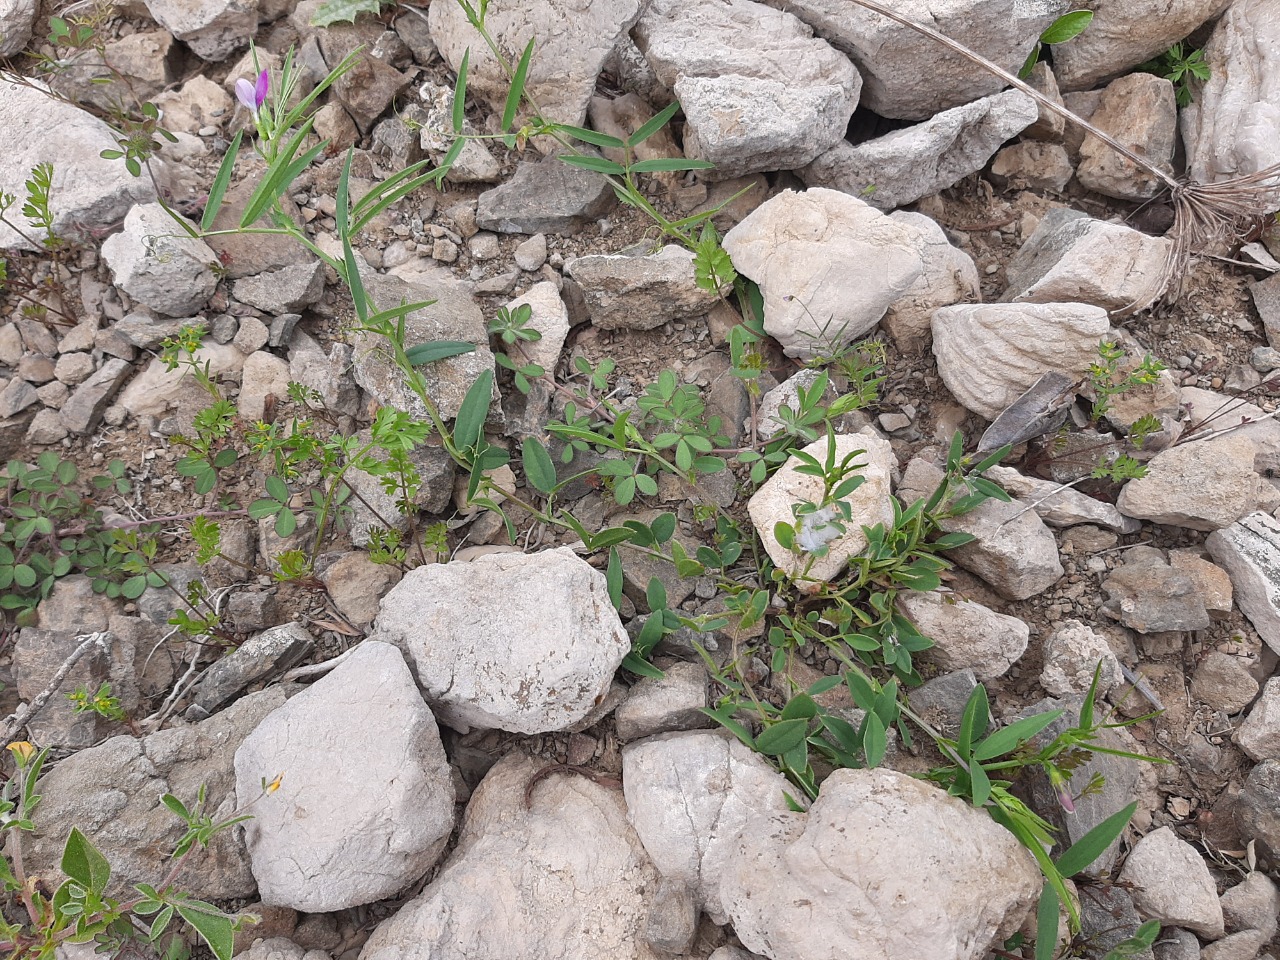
[(252, 95), (1062, 790)]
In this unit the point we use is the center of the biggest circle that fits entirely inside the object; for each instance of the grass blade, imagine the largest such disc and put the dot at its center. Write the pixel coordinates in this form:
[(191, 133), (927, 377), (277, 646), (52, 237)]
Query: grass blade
[(593, 137), (1046, 924), (282, 173), (653, 125), (460, 93), (221, 182), (437, 350), (670, 163), (517, 87), (1092, 845), (595, 165)]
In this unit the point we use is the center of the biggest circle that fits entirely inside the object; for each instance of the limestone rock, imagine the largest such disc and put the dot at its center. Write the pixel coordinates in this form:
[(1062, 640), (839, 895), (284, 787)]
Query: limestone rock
[(550, 317), (1072, 258), (819, 885), (158, 265), (910, 77), (1259, 735), (828, 264), (949, 276), (287, 290), (213, 29), (564, 876), (1202, 486), (1170, 882), (640, 292), (715, 784), (966, 635), (17, 19), (1061, 506), (521, 643), (869, 504), (1249, 550), (1232, 128), (735, 59), (1140, 111), (327, 841), (1033, 164), (905, 165), (147, 61), (1125, 33), (990, 354), (88, 191), (566, 61), (1252, 904), (1146, 594), (1222, 682), (665, 704), (548, 196), (1072, 655), (1208, 412)]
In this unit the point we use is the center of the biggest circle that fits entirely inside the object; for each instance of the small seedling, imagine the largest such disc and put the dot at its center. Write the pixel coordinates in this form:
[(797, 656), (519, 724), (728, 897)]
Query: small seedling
[(1181, 67)]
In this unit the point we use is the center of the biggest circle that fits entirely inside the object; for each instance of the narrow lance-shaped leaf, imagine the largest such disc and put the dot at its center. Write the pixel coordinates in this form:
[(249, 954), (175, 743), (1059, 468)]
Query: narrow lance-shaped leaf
[(653, 124), (437, 350), (460, 93), (517, 87), (538, 468), (220, 182), (469, 423), (1091, 846)]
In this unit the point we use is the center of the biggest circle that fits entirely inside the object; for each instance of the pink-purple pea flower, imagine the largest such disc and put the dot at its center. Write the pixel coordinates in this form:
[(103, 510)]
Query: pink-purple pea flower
[(252, 95)]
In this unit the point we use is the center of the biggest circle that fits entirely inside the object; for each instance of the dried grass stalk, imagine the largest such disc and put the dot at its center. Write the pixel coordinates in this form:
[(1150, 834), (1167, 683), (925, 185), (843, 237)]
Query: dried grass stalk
[(1207, 216)]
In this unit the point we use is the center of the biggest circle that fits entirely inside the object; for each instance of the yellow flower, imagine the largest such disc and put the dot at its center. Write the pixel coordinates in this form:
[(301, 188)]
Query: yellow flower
[(22, 751), (274, 785)]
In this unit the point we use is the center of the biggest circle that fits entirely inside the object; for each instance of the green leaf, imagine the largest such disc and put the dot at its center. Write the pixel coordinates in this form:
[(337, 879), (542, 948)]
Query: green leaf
[(641, 667), (134, 587), (215, 929), (875, 740), (663, 527), (800, 707), (613, 578), (974, 722), (595, 165), (669, 163), (176, 805), (593, 137), (1067, 27), (656, 594), (538, 466), (469, 425), (460, 93), (83, 863), (653, 125), (1008, 738), (281, 174), (286, 523), (264, 508), (782, 737), (24, 576), (1092, 845), (979, 783), (437, 350), (277, 490), (1030, 63), (220, 182), (1046, 924), (343, 11), (517, 87)]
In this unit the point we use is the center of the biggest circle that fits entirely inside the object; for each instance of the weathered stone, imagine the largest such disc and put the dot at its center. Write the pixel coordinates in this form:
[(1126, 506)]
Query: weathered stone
[(375, 507), (716, 784), (1252, 904), (729, 60), (905, 165), (817, 884), (213, 29), (1249, 550), (368, 88), (1049, 126), (568, 850), (259, 657), (88, 191), (673, 918), (1140, 112), (83, 410), (264, 375), (324, 842), (640, 292), (1059, 505), (17, 20), (562, 74), (1259, 735), (247, 254), (1033, 164), (548, 196), (158, 265), (1071, 258), (1171, 883), (1257, 811), (1202, 486), (949, 276), (1232, 127), (1147, 595), (909, 76), (521, 643), (666, 704), (1208, 413), (1107, 917), (1212, 582), (869, 505), (145, 61), (287, 290), (356, 585), (990, 354), (1072, 655), (794, 244), (965, 634)]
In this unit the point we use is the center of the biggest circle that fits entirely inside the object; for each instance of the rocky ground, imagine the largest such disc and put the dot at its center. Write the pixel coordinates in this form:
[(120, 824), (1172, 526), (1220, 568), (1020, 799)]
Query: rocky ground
[(467, 771)]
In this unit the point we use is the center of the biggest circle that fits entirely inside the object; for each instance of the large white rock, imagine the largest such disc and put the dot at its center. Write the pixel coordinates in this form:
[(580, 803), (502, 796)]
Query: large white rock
[(526, 643), (1125, 33), (1071, 258), (1209, 414), (906, 75), (574, 37), (1204, 485), (828, 265), (689, 796), (1259, 735), (1249, 550), (1232, 128), (905, 165), (1170, 882), (965, 634), (214, 29), (17, 18), (882, 867), (365, 805), (990, 354), (159, 265), (563, 876), (870, 503), (950, 276), (730, 60), (88, 191)]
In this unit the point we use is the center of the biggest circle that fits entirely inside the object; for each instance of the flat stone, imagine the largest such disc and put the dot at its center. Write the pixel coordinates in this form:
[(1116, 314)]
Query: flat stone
[(286, 290), (966, 635), (1259, 735), (905, 165), (1252, 904), (1072, 655), (213, 29), (949, 276), (1059, 505), (547, 196), (1033, 164), (158, 265), (640, 292), (1249, 550), (259, 657), (663, 705), (1148, 595), (84, 408), (17, 20), (1257, 811), (1170, 882)]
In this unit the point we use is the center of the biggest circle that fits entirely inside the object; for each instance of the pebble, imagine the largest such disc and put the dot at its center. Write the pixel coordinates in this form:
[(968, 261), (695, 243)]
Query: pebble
[(1265, 359), (484, 246), (207, 131), (446, 251)]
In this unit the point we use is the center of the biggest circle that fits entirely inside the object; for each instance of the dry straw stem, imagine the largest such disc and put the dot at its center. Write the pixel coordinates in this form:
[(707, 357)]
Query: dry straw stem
[(1208, 216)]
